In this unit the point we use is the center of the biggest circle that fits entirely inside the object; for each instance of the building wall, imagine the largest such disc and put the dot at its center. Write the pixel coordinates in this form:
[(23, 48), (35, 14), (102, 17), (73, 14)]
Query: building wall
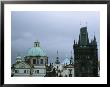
[(22, 72), (86, 61), (39, 72), (38, 60), (66, 71)]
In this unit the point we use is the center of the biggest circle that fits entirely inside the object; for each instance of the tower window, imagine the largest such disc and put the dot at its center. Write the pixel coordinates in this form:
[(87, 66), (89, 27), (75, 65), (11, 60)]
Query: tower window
[(34, 61), (41, 61)]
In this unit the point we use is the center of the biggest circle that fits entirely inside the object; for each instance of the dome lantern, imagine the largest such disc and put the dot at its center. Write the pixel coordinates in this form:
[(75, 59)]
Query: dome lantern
[(37, 44)]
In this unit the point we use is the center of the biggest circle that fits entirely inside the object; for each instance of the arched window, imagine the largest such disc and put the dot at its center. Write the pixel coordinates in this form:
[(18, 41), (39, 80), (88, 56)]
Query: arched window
[(24, 71), (37, 71), (41, 61), (34, 61)]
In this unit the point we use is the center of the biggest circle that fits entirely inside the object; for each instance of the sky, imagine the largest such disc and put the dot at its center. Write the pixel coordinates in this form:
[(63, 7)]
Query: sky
[(55, 30)]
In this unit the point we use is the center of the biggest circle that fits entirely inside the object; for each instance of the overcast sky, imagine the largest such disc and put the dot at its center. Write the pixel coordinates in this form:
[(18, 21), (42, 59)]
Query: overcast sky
[(54, 30)]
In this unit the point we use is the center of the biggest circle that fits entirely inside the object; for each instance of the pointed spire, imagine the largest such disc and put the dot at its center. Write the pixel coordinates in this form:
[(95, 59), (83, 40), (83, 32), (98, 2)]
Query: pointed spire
[(94, 41), (71, 58), (80, 23), (57, 59), (57, 52), (86, 23), (94, 38), (74, 41), (71, 53)]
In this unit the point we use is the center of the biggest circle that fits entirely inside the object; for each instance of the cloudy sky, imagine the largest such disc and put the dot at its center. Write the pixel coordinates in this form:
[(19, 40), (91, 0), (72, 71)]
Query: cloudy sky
[(54, 30)]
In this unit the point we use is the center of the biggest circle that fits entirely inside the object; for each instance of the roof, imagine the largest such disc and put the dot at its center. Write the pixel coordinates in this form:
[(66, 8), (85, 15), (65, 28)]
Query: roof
[(36, 50)]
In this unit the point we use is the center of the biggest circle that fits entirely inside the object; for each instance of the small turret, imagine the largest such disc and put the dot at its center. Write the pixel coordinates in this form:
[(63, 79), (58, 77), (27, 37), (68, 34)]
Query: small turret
[(94, 41), (37, 44), (18, 59)]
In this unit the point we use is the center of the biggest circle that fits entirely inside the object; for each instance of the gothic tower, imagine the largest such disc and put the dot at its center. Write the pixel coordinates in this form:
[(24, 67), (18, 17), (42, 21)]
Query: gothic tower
[(85, 55)]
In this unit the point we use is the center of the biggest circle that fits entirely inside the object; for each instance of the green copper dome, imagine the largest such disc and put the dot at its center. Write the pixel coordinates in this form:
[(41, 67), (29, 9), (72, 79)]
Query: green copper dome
[(36, 50)]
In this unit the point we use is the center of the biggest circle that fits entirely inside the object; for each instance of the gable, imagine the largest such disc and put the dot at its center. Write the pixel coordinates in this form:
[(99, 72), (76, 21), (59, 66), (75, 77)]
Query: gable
[(22, 65)]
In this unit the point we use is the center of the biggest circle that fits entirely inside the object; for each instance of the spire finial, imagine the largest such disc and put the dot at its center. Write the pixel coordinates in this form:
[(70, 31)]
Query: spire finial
[(86, 23), (57, 51), (74, 41), (71, 53), (80, 23)]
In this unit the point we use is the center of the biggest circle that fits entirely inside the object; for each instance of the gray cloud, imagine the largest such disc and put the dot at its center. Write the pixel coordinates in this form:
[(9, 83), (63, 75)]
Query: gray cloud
[(54, 30)]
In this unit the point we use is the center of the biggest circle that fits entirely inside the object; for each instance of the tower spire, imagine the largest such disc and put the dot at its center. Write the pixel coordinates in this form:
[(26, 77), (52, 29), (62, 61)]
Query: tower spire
[(74, 41), (86, 23), (57, 53), (94, 40), (57, 59), (80, 23), (71, 53), (71, 58)]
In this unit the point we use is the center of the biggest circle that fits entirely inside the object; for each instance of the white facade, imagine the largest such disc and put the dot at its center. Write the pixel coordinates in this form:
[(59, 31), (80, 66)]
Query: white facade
[(23, 69), (39, 71), (66, 72)]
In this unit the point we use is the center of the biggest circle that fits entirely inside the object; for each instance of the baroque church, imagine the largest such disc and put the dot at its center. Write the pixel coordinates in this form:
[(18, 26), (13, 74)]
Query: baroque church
[(33, 64), (84, 63)]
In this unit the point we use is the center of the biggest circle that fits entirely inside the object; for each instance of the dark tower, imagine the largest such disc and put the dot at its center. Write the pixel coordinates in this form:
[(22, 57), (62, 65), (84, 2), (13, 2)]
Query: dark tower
[(85, 56)]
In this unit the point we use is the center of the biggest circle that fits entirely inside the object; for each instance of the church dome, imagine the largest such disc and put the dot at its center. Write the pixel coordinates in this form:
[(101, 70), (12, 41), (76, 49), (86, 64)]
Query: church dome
[(36, 50), (66, 61)]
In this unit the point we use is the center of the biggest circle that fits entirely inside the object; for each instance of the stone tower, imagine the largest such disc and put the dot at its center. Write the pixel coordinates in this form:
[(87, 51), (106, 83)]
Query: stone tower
[(85, 55)]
